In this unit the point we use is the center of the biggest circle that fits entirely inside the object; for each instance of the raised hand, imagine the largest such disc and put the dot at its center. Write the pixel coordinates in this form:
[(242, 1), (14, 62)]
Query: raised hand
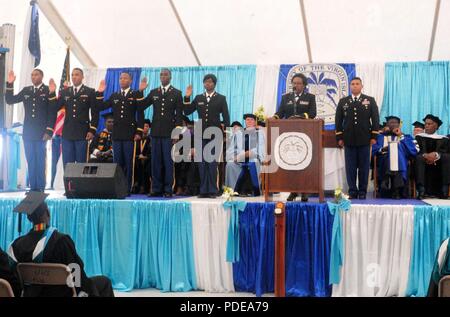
[(89, 136), (102, 86), (137, 137), (52, 85), (66, 84), (143, 85), (189, 91), (11, 77)]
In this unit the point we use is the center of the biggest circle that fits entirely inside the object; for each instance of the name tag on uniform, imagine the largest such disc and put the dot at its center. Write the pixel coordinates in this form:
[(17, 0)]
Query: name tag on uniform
[(304, 103), (42, 95), (116, 100), (155, 97), (130, 98), (201, 103), (67, 98), (84, 96), (289, 102), (26, 97)]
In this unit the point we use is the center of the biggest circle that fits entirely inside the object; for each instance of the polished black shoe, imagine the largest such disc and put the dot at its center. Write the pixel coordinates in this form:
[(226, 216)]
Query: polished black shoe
[(362, 196), (353, 196), (203, 196), (292, 196), (304, 198), (212, 196), (155, 195), (168, 195)]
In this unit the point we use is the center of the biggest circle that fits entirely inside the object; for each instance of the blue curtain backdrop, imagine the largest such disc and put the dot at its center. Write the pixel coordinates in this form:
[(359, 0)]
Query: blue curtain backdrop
[(255, 270), (431, 227), (236, 83), (350, 69), (138, 244), (412, 90), (308, 245), (112, 85)]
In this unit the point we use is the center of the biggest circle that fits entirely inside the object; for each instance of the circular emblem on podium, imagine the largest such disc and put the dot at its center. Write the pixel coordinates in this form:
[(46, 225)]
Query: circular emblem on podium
[(293, 151)]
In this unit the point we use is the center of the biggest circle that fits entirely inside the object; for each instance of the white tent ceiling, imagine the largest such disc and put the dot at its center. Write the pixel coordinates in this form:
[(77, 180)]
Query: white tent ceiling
[(145, 33)]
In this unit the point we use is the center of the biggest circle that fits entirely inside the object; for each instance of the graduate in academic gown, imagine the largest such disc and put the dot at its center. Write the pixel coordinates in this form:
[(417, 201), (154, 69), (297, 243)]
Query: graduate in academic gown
[(7, 274), (393, 150), (440, 269), (44, 244), (244, 156), (433, 161)]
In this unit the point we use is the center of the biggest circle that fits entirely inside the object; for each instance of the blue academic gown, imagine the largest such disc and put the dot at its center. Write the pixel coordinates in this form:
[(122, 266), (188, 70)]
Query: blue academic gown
[(406, 150)]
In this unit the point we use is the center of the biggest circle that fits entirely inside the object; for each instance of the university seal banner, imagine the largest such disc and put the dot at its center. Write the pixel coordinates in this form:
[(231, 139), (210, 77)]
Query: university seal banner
[(328, 82)]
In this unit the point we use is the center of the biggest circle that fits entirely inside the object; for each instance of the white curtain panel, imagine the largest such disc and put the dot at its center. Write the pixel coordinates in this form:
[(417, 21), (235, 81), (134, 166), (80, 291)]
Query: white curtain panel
[(372, 75), (377, 250), (266, 85), (334, 169), (210, 232), (93, 76)]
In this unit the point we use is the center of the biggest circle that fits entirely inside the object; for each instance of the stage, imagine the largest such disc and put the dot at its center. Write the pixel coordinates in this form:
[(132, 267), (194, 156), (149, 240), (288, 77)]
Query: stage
[(385, 247)]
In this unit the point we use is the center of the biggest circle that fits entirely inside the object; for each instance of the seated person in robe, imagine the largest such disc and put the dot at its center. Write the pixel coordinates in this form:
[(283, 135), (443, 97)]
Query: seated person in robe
[(244, 156), (441, 268), (432, 166), (44, 244), (393, 150)]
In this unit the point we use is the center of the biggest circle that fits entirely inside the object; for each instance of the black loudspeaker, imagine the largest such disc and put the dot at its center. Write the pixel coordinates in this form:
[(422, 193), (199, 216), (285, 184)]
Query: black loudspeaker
[(95, 180)]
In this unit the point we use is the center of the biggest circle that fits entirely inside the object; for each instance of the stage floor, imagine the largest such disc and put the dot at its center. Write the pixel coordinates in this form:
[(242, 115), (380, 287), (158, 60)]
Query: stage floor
[(59, 194)]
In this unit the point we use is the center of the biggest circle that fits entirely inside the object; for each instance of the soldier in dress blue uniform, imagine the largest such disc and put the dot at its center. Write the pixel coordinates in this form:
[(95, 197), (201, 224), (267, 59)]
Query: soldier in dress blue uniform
[(81, 119), (38, 101), (357, 129), (209, 106), (167, 104), (128, 121), (297, 104)]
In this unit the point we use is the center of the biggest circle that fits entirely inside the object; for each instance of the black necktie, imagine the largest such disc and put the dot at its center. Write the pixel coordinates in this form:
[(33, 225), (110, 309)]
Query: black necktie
[(75, 91), (164, 91), (247, 144), (123, 93), (35, 90), (356, 99)]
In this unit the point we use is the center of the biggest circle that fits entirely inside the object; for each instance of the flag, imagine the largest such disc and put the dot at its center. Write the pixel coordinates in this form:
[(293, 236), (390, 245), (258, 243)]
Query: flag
[(59, 123), (34, 44), (31, 53), (64, 77)]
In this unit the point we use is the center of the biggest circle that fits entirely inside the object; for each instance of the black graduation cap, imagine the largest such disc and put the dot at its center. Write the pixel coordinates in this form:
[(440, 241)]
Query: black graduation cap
[(433, 118), (418, 124), (108, 115), (249, 115), (30, 204), (392, 118), (236, 123)]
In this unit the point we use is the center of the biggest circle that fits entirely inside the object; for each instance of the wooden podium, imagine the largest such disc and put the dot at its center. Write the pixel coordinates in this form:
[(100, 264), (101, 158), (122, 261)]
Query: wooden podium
[(294, 157)]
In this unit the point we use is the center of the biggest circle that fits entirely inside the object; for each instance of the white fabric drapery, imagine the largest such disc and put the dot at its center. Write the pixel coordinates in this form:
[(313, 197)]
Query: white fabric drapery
[(210, 232), (266, 84), (372, 75), (377, 250)]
